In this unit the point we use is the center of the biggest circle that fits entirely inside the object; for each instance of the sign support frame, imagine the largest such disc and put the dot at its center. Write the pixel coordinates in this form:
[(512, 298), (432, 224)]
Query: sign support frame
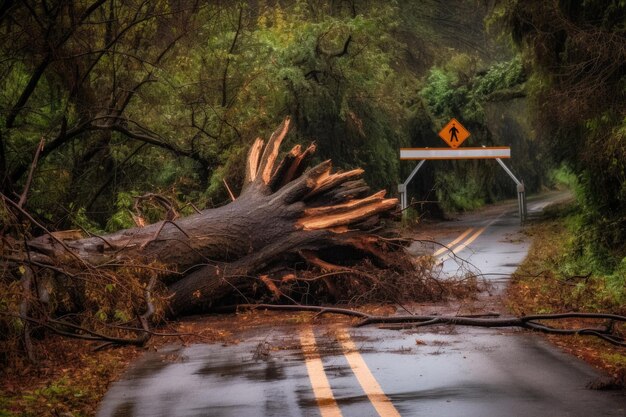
[(458, 135), (521, 190), (402, 188)]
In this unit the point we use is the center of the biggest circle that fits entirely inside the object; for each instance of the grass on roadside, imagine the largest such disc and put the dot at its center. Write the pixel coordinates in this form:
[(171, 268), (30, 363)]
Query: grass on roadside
[(555, 278)]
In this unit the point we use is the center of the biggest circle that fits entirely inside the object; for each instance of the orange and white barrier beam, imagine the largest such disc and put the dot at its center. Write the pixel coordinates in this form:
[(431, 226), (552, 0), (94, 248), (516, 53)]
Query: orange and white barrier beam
[(497, 152)]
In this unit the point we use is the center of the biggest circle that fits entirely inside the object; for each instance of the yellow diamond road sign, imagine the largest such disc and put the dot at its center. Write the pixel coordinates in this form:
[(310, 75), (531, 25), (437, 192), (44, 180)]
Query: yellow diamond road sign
[(454, 134)]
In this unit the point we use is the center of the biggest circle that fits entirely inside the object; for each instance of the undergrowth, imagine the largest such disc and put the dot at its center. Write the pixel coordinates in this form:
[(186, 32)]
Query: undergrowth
[(566, 272)]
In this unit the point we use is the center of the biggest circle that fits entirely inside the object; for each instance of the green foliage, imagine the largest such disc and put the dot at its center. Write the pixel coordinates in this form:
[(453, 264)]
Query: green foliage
[(122, 218), (617, 359), (563, 177), (463, 194), (233, 74), (4, 409), (500, 76), (121, 316), (335, 76), (410, 218), (58, 393), (616, 283), (177, 98), (459, 88), (581, 256), (566, 273), (579, 107), (80, 220), (440, 93), (346, 74)]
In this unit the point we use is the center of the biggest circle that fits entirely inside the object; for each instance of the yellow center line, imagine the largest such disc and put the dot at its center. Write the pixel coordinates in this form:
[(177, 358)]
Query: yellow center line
[(321, 387), (454, 242), (463, 245), (370, 386), (468, 241)]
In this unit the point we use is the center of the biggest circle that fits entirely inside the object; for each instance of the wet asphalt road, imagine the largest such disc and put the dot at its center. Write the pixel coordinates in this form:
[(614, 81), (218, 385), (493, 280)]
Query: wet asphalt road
[(328, 370)]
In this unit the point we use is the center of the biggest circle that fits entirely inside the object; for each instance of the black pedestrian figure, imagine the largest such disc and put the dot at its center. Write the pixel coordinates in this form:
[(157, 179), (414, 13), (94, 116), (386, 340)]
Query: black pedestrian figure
[(453, 131)]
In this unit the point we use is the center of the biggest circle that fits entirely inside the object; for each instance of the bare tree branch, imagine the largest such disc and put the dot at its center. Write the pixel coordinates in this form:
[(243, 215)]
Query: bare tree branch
[(525, 322)]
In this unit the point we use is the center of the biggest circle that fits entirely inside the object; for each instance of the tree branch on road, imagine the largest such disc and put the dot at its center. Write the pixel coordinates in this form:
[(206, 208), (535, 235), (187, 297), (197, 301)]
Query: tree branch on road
[(531, 322)]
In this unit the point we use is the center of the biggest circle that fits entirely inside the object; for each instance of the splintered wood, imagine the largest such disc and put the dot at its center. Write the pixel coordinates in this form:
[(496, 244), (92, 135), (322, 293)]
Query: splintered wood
[(253, 160), (347, 213), (271, 151)]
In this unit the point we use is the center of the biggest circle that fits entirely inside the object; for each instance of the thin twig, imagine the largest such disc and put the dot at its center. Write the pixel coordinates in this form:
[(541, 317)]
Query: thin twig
[(29, 179), (36, 223), (146, 243), (230, 193)]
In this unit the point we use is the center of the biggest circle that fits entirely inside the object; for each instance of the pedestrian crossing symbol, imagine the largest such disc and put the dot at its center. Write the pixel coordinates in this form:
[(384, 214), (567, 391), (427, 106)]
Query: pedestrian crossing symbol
[(454, 134)]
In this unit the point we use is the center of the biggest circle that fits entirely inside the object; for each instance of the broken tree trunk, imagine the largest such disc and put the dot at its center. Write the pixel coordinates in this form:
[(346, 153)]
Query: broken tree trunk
[(285, 216)]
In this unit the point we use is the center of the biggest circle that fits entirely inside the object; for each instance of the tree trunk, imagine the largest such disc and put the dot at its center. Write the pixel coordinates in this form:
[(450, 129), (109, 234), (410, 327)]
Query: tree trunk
[(283, 216)]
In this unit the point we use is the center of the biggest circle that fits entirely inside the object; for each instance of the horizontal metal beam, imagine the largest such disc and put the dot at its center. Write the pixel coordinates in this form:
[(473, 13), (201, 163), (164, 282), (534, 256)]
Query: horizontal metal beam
[(459, 153)]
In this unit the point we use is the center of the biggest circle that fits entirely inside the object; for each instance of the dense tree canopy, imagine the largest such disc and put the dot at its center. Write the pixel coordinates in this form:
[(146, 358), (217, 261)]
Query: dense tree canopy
[(131, 95), (577, 51), (166, 95)]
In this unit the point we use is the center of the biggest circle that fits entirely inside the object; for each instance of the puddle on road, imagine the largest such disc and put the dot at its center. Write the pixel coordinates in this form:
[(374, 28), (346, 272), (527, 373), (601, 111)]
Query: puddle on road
[(268, 371), (125, 409), (211, 380)]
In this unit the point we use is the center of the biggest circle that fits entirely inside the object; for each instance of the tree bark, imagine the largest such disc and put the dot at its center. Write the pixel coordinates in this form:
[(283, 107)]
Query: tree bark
[(283, 213)]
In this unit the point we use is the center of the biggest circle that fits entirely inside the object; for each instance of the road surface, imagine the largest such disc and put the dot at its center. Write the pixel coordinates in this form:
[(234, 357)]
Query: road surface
[(334, 370)]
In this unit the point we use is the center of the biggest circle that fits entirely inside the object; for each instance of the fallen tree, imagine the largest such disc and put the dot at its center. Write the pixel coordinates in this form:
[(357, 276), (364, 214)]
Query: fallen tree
[(313, 234), (292, 236)]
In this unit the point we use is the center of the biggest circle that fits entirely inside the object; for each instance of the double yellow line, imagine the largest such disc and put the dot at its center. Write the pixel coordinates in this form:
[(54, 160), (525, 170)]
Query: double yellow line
[(450, 248), (319, 381), (321, 386)]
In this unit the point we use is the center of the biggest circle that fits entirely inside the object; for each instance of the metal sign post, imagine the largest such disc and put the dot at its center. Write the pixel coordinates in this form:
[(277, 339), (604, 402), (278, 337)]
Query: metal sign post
[(521, 191), (402, 187)]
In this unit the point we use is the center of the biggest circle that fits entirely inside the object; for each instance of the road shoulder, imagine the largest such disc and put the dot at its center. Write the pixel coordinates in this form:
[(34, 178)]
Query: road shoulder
[(538, 288)]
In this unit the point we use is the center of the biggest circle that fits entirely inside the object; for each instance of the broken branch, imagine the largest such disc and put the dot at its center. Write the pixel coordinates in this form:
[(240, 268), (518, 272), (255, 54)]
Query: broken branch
[(525, 322)]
